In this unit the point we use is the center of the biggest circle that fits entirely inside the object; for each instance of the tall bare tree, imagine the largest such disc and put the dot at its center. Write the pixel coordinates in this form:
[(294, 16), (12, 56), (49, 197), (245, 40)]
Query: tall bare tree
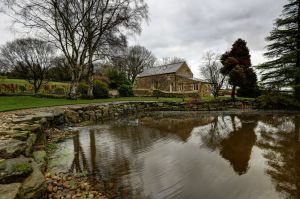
[(80, 28), (169, 60), (31, 58), (212, 72), (134, 61)]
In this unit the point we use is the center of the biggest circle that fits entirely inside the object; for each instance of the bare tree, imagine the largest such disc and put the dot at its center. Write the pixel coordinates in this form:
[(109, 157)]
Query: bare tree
[(134, 61), (169, 60), (31, 58), (82, 30), (211, 72)]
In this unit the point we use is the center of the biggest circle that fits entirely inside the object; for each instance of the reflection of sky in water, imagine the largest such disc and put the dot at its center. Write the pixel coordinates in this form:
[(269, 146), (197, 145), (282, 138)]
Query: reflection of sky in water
[(181, 157)]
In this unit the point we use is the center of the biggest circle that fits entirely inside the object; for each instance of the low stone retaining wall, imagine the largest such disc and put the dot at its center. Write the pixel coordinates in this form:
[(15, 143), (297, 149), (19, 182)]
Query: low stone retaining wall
[(22, 137)]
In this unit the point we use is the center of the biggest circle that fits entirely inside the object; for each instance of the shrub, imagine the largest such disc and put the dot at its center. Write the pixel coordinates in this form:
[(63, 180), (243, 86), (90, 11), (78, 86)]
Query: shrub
[(125, 90), (100, 90), (22, 88), (195, 100), (158, 93), (47, 88), (2, 78), (117, 79), (248, 92), (277, 101), (59, 91), (83, 89)]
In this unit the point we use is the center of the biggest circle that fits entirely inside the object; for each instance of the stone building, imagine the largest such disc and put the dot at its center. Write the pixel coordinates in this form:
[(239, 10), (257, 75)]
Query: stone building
[(172, 78)]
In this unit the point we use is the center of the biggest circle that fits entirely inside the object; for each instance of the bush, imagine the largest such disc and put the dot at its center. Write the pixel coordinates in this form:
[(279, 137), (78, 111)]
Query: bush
[(100, 90), (2, 78), (248, 92), (125, 90), (117, 79), (59, 91), (83, 89), (158, 93), (277, 101), (22, 88)]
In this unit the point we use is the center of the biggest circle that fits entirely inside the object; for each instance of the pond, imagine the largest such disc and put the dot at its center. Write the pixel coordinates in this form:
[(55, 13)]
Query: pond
[(189, 155)]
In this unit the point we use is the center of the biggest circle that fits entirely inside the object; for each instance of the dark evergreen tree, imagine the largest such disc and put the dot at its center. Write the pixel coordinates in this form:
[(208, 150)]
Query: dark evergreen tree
[(283, 69), (237, 65)]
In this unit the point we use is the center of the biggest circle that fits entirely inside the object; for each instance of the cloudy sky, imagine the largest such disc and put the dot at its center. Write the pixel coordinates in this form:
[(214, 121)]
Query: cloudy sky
[(188, 28)]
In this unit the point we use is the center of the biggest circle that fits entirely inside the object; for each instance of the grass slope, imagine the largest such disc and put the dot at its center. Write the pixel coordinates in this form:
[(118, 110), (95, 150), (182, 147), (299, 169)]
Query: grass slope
[(25, 102), (22, 82)]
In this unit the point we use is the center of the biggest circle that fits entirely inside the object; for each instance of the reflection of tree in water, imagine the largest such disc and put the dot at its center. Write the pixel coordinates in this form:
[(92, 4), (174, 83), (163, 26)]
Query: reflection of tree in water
[(282, 151), (117, 169), (234, 137), (79, 163), (237, 147)]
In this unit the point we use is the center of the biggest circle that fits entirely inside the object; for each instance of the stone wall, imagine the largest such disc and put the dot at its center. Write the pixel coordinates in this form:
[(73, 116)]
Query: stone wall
[(22, 137)]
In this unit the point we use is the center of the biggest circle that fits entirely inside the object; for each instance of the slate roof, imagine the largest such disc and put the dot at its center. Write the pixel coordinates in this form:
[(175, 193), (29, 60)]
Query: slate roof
[(160, 70)]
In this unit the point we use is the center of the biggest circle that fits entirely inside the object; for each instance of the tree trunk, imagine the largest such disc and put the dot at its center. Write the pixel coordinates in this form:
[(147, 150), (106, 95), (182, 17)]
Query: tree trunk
[(73, 89), (297, 79), (233, 93), (36, 90), (73, 93), (90, 81), (90, 93)]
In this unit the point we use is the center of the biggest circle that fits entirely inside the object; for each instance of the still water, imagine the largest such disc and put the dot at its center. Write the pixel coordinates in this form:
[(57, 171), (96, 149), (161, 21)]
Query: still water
[(189, 156)]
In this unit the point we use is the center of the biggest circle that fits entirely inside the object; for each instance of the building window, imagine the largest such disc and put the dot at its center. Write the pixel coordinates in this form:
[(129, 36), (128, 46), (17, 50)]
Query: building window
[(155, 85), (181, 87), (171, 87), (195, 87)]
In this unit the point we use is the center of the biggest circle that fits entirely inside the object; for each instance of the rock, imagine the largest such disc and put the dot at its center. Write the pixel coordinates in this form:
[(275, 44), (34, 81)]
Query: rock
[(105, 111), (72, 117), (21, 127), (16, 134), (54, 189), (9, 191), (43, 121), (14, 170), (22, 119), (47, 115), (11, 148), (50, 188), (35, 128), (29, 144), (21, 135), (35, 185), (41, 159)]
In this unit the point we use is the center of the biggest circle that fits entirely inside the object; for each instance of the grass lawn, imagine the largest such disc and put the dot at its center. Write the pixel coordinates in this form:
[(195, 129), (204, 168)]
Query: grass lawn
[(24, 102), (22, 82), (9, 103)]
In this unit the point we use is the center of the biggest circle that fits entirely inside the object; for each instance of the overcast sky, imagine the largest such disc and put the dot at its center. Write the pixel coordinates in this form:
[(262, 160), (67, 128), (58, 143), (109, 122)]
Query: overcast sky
[(188, 28)]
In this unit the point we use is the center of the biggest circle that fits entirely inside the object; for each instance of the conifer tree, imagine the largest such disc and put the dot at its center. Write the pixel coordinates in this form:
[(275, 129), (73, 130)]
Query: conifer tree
[(283, 67), (237, 65)]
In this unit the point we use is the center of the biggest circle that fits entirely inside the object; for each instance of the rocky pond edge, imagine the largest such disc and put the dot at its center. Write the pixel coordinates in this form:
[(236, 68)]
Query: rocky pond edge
[(23, 140)]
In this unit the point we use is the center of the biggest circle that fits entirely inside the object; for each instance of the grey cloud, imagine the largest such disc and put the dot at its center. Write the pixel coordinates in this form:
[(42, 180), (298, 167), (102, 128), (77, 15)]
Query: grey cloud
[(190, 27)]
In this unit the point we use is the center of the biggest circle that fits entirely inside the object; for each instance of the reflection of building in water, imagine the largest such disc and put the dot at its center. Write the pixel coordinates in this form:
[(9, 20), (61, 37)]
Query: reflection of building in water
[(181, 127), (282, 150)]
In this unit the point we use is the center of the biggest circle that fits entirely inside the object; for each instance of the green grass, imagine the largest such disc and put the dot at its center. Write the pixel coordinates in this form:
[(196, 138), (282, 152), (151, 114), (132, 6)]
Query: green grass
[(24, 102), (10, 103), (23, 82)]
